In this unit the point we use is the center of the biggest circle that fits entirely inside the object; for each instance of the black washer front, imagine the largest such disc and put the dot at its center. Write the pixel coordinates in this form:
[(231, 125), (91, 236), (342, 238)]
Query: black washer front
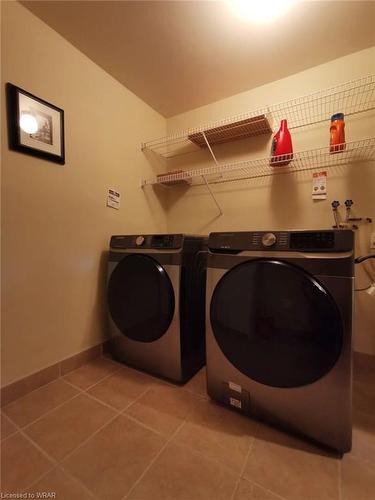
[(141, 298), (276, 323)]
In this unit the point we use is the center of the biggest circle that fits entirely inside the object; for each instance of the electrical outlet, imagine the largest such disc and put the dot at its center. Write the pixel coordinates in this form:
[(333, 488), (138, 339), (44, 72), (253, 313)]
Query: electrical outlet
[(372, 241)]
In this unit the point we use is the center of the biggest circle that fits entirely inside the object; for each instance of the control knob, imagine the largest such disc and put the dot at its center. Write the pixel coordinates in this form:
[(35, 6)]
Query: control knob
[(268, 239), (139, 241)]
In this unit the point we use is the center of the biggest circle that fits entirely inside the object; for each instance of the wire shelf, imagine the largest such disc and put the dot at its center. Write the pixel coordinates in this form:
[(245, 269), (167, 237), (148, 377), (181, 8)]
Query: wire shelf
[(350, 98), (242, 129), (356, 151)]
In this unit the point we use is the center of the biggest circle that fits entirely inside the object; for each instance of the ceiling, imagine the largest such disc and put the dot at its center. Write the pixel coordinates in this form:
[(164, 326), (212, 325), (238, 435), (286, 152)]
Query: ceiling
[(178, 55)]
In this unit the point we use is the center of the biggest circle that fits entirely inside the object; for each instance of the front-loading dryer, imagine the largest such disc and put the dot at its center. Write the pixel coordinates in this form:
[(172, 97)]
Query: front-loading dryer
[(156, 302), (279, 329)]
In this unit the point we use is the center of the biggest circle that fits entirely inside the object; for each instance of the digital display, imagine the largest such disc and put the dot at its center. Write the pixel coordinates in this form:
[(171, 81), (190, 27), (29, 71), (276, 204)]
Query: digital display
[(119, 242), (161, 240), (312, 241)]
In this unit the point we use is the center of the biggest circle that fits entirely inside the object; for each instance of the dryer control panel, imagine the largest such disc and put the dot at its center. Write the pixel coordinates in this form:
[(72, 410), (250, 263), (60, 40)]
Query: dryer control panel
[(160, 241), (302, 241)]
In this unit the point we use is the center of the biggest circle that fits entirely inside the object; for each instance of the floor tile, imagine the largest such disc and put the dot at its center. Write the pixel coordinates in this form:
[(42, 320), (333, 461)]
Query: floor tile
[(358, 479), (179, 473), (21, 464), (163, 408), (364, 436), (219, 433), (292, 468), (37, 403), (65, 487), (63, 429), (93, 372), (249, 491), (111, 462), (121, 388), (7, 428), (197, 384)]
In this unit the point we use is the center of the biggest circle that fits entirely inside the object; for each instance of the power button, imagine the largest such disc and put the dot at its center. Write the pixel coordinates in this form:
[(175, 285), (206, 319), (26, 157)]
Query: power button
[(139, 241), (268, 239)]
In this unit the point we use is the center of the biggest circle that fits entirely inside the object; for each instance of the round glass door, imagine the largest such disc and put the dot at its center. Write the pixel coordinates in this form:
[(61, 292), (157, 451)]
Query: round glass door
[(141, 298), (276, 324)]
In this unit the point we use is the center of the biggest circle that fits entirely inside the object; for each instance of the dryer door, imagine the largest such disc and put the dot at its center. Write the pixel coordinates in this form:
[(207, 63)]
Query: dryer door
[(276, 323), (141, 298)]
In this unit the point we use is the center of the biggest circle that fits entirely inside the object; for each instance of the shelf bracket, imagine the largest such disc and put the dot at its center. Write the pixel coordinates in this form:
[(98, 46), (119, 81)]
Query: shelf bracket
[(204, 177), (212, 195)]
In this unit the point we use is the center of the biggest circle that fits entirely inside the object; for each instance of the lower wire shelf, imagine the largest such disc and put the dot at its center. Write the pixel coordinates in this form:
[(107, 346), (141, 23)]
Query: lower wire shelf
[(351, 152)]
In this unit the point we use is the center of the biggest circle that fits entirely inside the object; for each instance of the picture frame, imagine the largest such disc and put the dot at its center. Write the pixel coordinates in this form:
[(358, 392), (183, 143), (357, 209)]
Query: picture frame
[(35, 126)]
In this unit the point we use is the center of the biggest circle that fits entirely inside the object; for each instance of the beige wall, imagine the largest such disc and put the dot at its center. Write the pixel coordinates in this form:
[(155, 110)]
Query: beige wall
[(285, 201), (55, 223)]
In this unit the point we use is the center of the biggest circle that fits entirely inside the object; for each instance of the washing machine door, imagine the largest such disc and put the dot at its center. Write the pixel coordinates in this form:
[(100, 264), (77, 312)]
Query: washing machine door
[(141, 298), (276, 323)]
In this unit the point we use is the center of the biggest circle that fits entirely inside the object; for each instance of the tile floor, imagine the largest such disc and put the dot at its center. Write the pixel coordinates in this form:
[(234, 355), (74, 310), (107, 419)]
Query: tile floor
[(105, 431)]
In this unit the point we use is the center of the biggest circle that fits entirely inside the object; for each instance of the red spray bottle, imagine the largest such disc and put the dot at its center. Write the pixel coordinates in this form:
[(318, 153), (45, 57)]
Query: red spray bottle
[(281, 149)]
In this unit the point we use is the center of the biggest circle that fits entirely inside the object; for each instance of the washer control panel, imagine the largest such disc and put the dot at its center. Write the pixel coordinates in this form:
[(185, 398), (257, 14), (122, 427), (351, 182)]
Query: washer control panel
[(302, 241), (147, 241)]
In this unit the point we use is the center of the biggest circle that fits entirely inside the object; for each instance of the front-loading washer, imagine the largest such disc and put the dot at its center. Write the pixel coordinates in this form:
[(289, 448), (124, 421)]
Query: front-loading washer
[(279, 329), (156, 302)]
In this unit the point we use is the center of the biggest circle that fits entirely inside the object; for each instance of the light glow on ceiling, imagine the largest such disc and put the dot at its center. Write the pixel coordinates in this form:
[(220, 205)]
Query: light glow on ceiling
[(28, 123), (260, 11)]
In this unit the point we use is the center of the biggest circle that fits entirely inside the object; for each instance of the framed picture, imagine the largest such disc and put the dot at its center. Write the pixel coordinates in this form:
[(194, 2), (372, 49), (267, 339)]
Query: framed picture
[(35, 126)]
